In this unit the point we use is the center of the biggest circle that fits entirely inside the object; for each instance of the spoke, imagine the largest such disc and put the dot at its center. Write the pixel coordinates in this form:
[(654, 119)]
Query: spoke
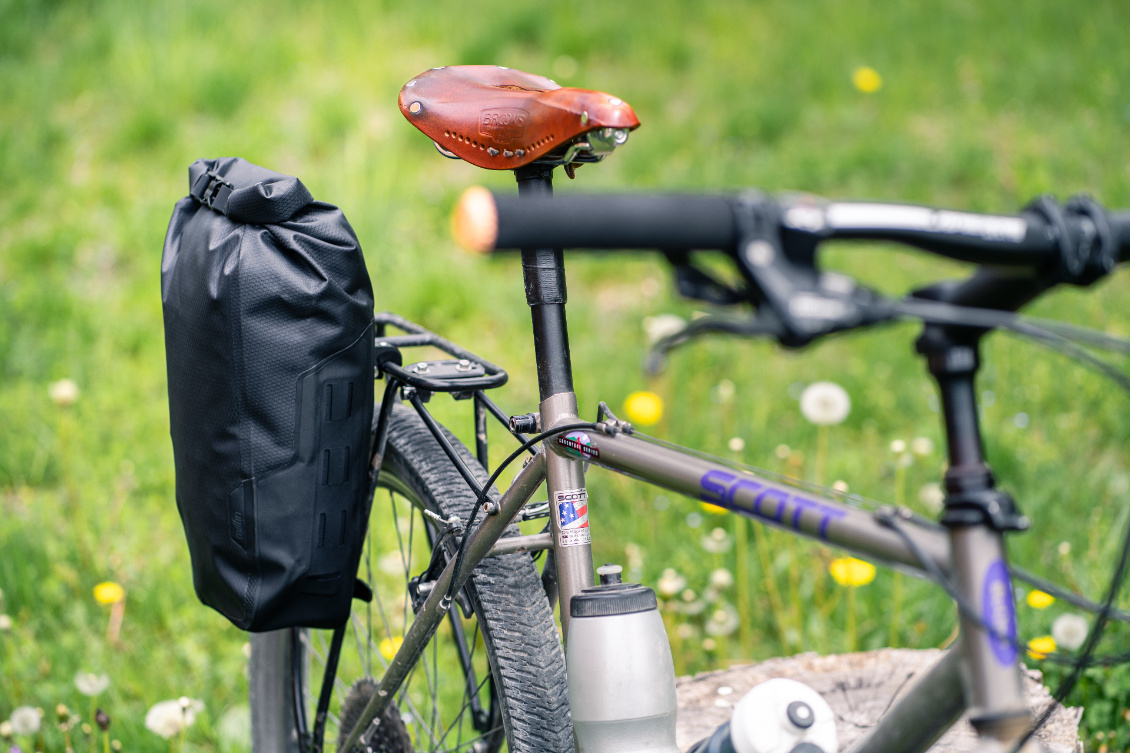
[(466, 705)]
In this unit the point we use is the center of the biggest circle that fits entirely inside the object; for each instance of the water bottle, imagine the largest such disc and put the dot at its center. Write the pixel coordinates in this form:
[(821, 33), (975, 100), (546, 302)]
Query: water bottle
[(778, 716), (621, 677)]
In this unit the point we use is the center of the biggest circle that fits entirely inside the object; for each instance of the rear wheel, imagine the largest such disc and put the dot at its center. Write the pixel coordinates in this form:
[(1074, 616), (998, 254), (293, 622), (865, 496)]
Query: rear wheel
[(493, 678)]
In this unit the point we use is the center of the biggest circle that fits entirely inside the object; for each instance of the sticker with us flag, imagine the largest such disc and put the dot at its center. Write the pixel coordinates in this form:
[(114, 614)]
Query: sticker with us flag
[(573, 516)]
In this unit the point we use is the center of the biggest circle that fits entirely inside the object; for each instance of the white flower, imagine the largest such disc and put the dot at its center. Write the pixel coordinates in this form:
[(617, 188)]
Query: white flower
[(840, 486), (721, 578), (661, 326), (723, 392), (1070, 630), (898, 447), (723, 621), (736, 444), (1064, 548), (932, 497), (168, 718), (90, 684), (716, 542), (670, 583), (5, 622), (825, 403), (6, 729), (63, 392), (922, 446), (25, 720)]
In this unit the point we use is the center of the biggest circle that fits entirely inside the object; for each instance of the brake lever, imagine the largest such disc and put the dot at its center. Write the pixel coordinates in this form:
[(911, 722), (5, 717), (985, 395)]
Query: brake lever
[(759, 326), (781, 269), (697, 284)]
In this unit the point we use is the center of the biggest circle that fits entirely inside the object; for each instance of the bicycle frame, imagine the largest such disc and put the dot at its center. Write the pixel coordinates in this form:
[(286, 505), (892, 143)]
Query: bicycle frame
[(981, 673)]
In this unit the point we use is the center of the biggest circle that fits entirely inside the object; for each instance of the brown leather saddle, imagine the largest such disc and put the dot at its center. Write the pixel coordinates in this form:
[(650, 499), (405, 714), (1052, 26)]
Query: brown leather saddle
[(500, 119)]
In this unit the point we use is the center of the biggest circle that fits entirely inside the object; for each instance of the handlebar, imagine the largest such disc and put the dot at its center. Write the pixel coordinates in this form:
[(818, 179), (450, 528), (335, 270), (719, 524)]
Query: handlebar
[(489, 222), (773, 242)]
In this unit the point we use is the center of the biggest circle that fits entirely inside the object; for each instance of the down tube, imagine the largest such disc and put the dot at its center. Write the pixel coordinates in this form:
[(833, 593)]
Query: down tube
[(759, 498)]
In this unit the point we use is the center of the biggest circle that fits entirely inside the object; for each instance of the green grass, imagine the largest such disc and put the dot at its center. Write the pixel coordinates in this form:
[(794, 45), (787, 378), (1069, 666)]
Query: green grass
[(983, 106)]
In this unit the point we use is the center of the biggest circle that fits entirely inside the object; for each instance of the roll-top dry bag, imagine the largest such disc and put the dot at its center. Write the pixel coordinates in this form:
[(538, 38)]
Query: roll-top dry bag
[(268, 315)]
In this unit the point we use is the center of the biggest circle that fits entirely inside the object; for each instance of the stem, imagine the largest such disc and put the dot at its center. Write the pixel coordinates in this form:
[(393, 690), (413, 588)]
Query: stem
[(821, 452), (771, 587), (851, 640), (896, 608), (741, 578)]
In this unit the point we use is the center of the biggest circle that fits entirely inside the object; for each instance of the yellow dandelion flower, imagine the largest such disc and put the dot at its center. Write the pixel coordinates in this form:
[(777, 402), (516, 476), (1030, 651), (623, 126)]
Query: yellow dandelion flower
[(848, 571), (1039, 599), (867, 80), (644, 408), (389, 646), (1039, 648), (712, 509), (109, 592)]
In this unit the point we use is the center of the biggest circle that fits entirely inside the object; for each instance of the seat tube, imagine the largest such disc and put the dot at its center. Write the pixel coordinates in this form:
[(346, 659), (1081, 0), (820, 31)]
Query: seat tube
[(977, 515), (543, 272)]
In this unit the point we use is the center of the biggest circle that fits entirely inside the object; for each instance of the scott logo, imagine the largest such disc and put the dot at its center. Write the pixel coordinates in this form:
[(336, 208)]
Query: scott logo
[(504, 125), (767, 502)]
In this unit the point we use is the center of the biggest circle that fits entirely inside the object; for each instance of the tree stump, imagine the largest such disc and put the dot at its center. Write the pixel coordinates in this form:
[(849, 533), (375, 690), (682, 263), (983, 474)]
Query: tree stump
[(859, 688)]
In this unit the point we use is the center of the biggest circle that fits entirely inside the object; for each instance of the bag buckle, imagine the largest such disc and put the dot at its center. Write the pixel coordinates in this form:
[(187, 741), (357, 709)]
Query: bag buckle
[(212, 191)]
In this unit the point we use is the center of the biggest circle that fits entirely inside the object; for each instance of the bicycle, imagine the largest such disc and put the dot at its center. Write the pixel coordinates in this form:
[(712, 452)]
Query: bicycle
[(464, 586)]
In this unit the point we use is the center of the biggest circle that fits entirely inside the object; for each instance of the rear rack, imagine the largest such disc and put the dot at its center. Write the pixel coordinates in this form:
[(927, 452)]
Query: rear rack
[(462, 376)]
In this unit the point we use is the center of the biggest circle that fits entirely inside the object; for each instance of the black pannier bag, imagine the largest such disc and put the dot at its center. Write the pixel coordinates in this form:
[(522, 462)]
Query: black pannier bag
[(269, 346)]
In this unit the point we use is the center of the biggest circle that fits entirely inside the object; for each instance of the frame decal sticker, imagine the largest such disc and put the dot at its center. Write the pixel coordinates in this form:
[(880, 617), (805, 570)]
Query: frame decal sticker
[(998, 611), (579, 444), (572, 509)]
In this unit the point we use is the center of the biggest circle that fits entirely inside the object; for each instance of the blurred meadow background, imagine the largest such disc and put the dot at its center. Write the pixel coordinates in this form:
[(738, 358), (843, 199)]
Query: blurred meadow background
[(975, 105)]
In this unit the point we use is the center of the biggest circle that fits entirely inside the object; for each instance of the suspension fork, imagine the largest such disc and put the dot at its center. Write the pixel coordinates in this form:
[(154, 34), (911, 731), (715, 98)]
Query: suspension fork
[(543, 272)]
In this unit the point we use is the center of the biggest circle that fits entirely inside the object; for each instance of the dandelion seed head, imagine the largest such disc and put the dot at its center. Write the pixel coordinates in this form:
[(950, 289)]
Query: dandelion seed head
[(932, 497), (709, 644), (825, 403), (721, 578), (840, 486), (1064, 548), (723, 392), (63, 392), (723, 621), (898, 447), (717, 541), (736, 444), (5, 622), (6, 729), (91, 684), (25, 720), (782, 451), (685, 631), (670, 583), (1070, 631), (922, 446)]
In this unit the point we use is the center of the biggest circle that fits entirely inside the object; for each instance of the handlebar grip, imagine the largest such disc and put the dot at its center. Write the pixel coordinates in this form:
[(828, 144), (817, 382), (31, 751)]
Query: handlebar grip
[(485, 222), (1120, 228)]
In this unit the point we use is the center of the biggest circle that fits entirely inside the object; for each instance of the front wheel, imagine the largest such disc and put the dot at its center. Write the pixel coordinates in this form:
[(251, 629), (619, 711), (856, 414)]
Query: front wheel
[(492, 678)]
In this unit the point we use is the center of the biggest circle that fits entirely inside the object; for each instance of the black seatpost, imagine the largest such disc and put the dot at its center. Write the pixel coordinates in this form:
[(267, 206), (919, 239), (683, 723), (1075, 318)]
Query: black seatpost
[(543, 270)]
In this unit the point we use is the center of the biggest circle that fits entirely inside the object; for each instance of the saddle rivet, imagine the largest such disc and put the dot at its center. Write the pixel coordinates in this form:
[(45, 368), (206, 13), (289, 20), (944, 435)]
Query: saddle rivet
[(615, 101), (415, 108), (507, 153), (410, 83), (492, 152), (521, 152), (585, 117)]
